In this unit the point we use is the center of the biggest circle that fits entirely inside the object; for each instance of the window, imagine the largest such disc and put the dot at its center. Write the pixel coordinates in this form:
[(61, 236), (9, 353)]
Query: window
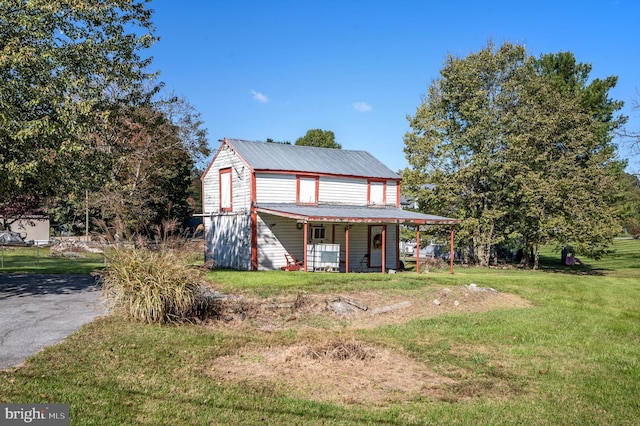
[(318, 233), (225, 190), (377, 194), (307, 190)]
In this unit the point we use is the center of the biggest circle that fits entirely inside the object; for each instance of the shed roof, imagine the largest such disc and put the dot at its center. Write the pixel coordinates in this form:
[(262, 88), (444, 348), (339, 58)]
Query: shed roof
[(262, 156), (353, 214)]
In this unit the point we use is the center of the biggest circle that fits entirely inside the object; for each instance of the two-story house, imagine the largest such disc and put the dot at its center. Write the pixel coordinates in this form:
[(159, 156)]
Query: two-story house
[(331, 209)]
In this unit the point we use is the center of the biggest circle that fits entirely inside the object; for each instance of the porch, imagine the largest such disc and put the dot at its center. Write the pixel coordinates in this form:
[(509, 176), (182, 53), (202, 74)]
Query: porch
[(339, 238)]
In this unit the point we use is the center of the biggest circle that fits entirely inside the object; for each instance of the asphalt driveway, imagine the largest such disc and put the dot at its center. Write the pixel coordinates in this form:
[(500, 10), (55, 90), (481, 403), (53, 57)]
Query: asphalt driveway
[(39, 310)]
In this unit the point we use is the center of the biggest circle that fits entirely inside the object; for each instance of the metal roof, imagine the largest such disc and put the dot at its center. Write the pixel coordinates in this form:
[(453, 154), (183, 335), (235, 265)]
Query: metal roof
[(264, 156), (333, 213)]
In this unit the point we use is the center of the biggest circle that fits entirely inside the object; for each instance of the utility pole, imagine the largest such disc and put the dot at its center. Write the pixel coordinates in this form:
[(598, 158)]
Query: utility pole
[(86, 223)]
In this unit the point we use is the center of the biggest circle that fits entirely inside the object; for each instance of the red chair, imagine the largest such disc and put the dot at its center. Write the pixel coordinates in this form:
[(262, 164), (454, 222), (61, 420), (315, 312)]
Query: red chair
[(292, 263)]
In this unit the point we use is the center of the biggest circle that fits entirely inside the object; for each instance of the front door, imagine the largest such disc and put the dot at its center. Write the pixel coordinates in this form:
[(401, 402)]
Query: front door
[(375, 246)]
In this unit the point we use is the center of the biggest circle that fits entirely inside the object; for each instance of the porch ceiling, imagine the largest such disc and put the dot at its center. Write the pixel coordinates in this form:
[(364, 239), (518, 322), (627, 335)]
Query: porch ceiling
[(352, 214)]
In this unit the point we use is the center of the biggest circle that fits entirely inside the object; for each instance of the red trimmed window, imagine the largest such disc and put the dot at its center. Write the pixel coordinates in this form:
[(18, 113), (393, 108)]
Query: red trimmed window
[(226, 191), (307, 189), (377, 193)]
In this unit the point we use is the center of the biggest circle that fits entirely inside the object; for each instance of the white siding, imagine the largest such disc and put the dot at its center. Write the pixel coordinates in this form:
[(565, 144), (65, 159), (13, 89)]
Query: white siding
[(276, 237), (392, 193), (240, 183), (343, 191), (275, 188), (229, 240)]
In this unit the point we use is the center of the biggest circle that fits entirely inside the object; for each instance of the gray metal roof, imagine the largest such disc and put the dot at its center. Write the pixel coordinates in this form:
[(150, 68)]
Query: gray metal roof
[(283, 157), (333, 213)]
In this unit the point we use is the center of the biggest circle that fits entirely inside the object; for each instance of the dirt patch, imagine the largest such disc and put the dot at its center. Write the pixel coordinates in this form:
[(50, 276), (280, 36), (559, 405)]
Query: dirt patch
[(342, 370), (357, 310), (349, 372)]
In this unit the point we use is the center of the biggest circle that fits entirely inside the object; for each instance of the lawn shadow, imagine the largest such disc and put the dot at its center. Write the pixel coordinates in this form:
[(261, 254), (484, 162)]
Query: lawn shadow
[(554, 265), (21, 285)]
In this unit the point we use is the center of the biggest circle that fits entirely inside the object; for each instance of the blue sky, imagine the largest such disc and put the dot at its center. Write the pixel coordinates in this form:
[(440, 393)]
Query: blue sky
[(277, 68)]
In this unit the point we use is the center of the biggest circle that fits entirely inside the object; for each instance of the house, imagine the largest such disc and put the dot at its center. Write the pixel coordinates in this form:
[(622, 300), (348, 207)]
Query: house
[(34, 228), (331, 209)]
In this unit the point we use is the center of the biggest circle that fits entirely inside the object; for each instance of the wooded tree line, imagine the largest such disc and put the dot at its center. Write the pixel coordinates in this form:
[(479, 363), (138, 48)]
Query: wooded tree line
[(82, 118), (520, 150)]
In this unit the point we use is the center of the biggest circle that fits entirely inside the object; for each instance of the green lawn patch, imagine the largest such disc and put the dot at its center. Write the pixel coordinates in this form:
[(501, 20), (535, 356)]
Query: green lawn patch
[(570, 356), (44, 261)]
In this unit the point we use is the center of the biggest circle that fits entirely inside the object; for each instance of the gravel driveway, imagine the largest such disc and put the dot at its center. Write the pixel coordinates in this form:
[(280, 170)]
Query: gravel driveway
[(39, 310)]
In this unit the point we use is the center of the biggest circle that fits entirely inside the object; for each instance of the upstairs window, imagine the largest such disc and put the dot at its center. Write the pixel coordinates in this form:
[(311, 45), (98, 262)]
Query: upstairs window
[(225, 190), (307, 187), (377, 190)]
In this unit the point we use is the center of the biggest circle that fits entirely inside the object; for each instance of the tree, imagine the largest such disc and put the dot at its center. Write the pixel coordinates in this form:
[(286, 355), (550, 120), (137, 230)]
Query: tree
[(518, 150), (570, 179), (148, 170), (269, 140), (632, 137), (57, 61), (457, 144), (319, 138)]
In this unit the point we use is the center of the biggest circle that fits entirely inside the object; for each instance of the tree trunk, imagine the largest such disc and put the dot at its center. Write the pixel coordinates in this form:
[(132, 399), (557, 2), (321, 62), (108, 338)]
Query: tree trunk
[(536, 257)]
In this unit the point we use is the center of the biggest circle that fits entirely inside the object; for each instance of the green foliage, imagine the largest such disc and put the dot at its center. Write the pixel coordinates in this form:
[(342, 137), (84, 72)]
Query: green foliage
[(147, 175), (152, 286), (319, 138), (57, 61), (519, 150)]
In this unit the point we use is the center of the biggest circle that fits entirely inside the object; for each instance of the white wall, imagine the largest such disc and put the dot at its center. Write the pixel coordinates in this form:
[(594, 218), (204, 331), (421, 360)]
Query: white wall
[(228, 239), (240, 183), (281, 188)]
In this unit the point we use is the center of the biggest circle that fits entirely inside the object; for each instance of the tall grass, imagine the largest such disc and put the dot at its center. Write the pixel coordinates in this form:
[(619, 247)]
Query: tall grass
[(152, 286)]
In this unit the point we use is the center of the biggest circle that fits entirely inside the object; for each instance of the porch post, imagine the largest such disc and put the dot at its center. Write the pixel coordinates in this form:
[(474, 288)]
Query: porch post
[(397, 242), (304, 246), (417, 250), (451, 252), (346, 249), (384, 247)]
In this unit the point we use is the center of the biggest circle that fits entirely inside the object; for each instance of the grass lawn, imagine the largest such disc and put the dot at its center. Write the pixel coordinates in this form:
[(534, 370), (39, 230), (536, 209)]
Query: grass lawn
[(569, 354), (43, 261)]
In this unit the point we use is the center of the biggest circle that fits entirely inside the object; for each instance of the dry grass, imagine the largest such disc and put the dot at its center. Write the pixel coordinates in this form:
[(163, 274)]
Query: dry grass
[(329, 364)]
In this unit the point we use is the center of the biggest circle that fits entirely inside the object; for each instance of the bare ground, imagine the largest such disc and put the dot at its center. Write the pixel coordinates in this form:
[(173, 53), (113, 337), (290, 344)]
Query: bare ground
[(327, 366)]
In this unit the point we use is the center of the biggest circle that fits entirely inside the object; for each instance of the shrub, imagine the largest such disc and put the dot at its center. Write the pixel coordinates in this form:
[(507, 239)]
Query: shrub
[(153, 286)]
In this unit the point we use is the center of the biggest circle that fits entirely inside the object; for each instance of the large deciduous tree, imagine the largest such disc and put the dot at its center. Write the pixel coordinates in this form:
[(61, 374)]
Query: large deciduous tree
[(519, 149), (149, 157), (319, 138), (57, 60)]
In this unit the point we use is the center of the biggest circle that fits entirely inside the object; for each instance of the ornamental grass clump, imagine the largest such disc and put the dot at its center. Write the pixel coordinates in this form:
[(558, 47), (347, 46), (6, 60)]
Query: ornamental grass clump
[(153, 286)]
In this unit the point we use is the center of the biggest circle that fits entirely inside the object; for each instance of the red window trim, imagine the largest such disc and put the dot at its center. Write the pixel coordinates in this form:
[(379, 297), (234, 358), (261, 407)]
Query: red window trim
[(317, 179), (220, 173), (384, 191)]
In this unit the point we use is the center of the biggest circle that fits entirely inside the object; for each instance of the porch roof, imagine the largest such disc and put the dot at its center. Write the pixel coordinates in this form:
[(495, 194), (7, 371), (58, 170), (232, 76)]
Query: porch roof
[(353, 214)]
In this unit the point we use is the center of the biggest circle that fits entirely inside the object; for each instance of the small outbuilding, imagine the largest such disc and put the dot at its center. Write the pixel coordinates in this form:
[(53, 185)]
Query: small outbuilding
[(273, 206)]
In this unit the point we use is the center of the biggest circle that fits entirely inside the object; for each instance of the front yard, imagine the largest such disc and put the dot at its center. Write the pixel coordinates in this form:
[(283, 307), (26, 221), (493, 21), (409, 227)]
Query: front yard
[(483, 346)]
